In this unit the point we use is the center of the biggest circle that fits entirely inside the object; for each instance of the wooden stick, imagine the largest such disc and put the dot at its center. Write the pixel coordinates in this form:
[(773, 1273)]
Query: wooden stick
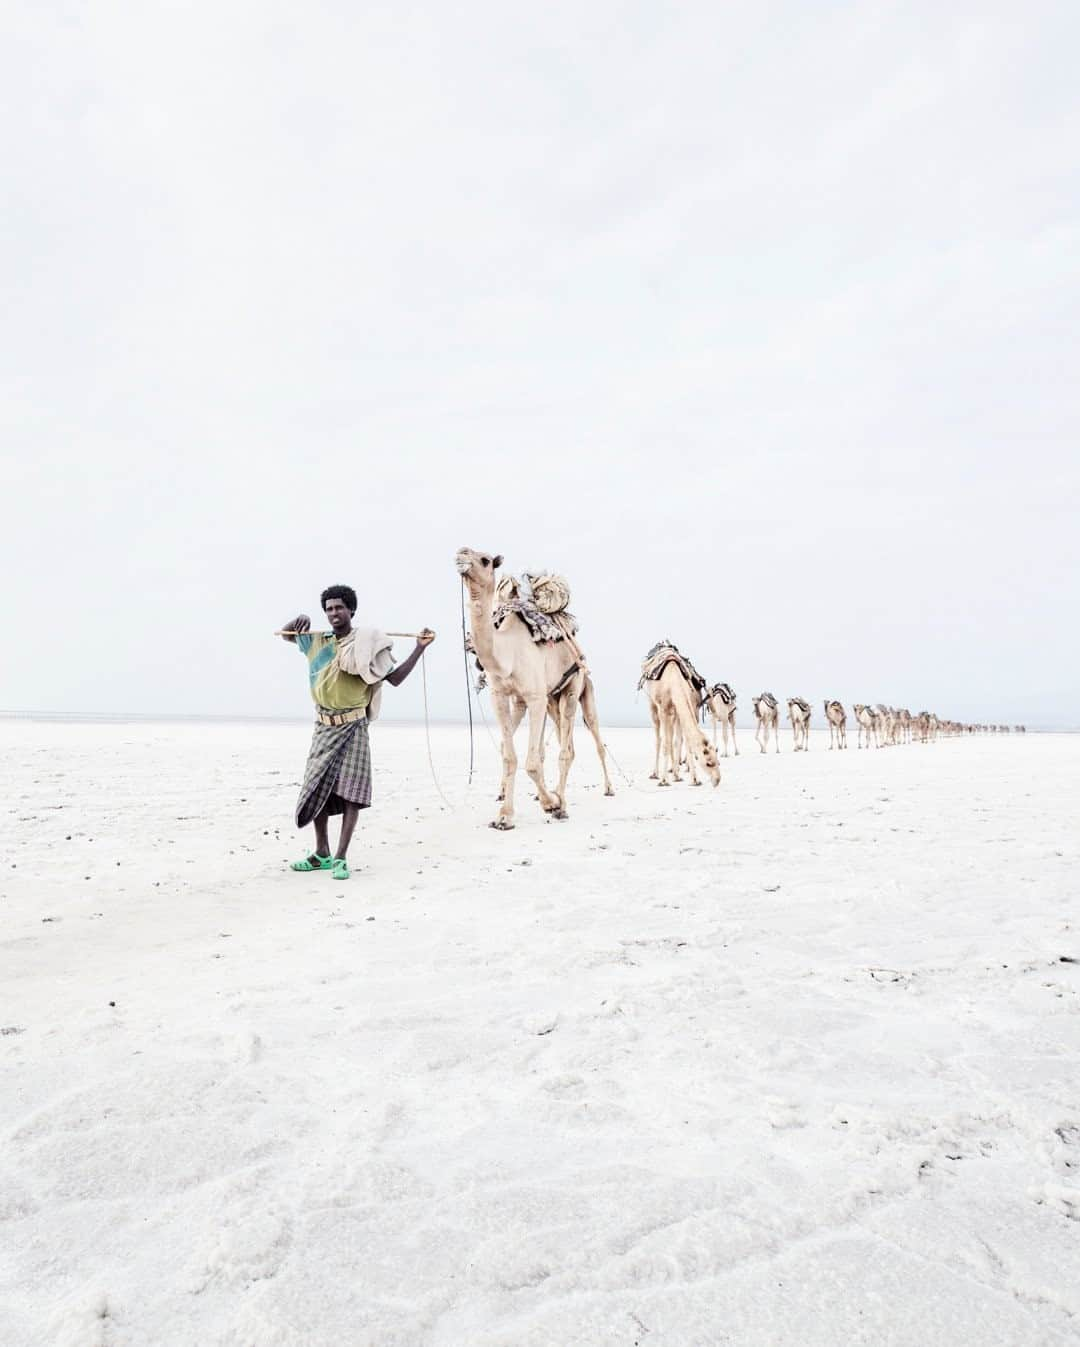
[(412, 634)]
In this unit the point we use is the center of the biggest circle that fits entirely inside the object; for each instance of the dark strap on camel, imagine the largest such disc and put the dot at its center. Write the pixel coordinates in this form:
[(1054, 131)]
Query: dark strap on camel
[(560, 686)]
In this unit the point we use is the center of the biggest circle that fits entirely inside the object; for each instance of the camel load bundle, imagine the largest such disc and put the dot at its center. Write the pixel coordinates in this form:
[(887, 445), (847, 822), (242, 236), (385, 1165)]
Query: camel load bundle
[(540, 601), (550, 592)]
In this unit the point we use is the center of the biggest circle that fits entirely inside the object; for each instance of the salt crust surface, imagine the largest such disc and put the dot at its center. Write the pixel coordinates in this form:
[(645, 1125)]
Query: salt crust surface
[(791, 1062)]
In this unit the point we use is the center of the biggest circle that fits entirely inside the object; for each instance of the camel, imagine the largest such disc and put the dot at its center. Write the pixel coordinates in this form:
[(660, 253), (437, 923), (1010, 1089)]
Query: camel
[(864, 717), (836, 717), (674, 689), (799, 715), (768, 718), (527, 677), (508, 589), (673, 707), (720, 700), (887, 722)]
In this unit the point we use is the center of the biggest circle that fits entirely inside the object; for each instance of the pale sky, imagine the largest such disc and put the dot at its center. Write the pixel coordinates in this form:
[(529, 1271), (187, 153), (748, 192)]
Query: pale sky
[(759, 322)]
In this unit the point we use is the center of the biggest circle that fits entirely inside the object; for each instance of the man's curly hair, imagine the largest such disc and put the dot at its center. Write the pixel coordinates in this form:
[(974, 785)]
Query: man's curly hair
[(345, 593)]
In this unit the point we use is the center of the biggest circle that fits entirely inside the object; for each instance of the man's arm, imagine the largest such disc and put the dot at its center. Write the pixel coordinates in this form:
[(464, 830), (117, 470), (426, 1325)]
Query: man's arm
[(405, 668), (296, 627)]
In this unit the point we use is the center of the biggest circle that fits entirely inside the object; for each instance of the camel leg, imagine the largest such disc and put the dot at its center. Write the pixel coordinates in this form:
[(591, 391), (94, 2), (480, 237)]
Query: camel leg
[(592, 723), (667, 757), (757, 735), (675, 751), (654, 775), (515, 712), (500, 702), (776, 733), (567, 710), (537, 710), (734, 741)]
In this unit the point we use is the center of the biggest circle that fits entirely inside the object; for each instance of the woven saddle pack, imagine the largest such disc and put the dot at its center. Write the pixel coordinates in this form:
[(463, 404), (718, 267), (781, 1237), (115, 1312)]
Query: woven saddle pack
[(660, 656)]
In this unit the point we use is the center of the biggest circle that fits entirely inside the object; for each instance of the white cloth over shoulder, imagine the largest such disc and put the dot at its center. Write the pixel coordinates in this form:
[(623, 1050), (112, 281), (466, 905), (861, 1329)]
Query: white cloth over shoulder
[(366, 652)]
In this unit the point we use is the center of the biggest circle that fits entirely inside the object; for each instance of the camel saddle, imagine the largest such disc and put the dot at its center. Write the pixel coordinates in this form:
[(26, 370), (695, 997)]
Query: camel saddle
[(659, 657), (542, 626)]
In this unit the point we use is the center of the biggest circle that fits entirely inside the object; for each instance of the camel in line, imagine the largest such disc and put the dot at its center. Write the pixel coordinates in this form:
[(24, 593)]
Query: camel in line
[(530, 678), (767, 715), (864, 718), (673, 705), (888, 723), (720, 701), (506, 591), (836, 717), (799, 715)]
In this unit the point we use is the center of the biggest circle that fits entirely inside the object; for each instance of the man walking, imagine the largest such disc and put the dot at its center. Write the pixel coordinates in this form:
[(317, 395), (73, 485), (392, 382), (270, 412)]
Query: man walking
[(346, 671)]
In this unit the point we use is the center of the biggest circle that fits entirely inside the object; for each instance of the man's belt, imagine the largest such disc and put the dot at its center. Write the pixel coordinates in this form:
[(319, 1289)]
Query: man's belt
[(340, 717)]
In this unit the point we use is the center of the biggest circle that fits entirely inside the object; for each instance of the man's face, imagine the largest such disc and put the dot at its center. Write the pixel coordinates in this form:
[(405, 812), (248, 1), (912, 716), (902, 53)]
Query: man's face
[(337, 615)]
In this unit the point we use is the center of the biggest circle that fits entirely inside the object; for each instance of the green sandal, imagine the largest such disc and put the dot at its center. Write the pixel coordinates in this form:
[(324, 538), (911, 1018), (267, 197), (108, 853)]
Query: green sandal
[(321, 862), (340, 869)]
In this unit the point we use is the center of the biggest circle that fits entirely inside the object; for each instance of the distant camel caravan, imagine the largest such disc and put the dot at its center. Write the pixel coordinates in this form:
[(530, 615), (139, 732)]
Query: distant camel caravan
[(799, 715), (767, 715), (525, 645), (536, 668), (675, 691)]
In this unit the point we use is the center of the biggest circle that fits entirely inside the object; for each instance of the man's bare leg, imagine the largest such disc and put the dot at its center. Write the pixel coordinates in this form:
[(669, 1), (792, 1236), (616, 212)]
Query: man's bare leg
[(322, 833), (350, 814)]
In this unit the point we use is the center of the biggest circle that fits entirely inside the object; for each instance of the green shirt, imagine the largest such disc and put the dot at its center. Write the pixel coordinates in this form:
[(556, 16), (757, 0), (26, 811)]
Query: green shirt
[(330, 688)]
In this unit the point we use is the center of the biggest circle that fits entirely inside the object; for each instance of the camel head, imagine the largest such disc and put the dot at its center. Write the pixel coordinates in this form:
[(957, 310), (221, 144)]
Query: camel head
[(477, 569)]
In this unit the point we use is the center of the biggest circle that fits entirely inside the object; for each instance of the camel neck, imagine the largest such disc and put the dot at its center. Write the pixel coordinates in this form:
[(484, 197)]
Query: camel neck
[(483, 633)]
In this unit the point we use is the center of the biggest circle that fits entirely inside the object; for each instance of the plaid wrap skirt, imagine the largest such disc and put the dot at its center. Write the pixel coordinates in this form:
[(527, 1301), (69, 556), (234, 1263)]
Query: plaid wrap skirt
[(338, 770)]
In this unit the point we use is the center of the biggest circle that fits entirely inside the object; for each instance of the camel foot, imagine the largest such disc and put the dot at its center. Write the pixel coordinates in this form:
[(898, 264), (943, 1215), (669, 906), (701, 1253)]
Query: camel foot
[(736, 752), (501, 825), (662, 783), (695, 783), (609, 791), (559, 813)]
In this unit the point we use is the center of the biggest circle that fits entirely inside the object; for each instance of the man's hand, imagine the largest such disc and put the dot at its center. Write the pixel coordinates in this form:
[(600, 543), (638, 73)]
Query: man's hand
[(296, 626), (397, 676)]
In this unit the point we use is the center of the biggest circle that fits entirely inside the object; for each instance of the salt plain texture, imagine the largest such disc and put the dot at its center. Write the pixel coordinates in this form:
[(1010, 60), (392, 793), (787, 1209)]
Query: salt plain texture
[(791, 1062)]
